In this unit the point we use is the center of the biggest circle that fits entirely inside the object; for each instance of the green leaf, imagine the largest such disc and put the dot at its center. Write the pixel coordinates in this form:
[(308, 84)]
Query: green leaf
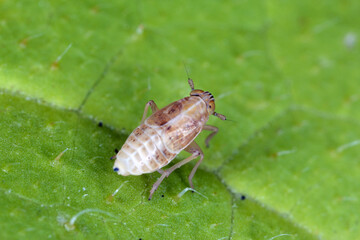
[(285, 73), (57, 165), (304, 166)]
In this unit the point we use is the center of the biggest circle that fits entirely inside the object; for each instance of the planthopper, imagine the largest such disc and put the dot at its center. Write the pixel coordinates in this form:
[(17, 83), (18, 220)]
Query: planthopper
[(167, 132)]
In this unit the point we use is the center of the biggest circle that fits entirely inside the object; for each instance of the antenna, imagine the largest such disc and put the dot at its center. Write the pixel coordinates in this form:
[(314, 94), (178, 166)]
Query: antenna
[(190, 81), (222, 117)]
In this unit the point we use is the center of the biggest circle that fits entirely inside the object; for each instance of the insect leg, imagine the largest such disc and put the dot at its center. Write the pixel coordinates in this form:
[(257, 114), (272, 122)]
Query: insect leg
[(153, 106), (194, 149), (160, 171), (167, 172), (211, 135)]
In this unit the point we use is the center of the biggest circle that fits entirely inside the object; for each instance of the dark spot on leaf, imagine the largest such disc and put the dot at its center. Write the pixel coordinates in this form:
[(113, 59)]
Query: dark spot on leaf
[(100, 124), (243, 197), (162, 195)]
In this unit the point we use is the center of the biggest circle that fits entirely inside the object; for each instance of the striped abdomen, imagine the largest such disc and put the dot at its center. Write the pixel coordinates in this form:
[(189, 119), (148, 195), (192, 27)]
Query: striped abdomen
[(143, 152)]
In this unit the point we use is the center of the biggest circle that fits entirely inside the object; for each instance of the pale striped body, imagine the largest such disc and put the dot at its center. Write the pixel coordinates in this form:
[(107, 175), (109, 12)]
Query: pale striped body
[(162, 136)]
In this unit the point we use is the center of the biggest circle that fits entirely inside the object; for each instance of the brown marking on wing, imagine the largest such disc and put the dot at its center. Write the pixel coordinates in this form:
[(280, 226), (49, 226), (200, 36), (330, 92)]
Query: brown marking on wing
[(174, 109), (164, 115), (189, 102), (183, 131), (159, 118), (182, 134)]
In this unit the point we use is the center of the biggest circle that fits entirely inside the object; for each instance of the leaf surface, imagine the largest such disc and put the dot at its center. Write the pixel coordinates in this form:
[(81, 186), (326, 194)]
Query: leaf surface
[(285, 74)]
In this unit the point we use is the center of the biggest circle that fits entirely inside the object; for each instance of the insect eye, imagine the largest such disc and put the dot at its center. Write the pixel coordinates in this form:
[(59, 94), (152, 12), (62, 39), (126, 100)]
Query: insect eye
[(211, 107)]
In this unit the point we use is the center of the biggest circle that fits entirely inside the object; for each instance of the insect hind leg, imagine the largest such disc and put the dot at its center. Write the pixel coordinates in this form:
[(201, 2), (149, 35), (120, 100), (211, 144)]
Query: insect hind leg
[(196, 152)]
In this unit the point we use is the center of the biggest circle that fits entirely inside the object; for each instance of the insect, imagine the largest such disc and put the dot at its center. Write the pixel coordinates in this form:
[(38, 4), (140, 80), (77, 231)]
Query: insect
[(167, 132)]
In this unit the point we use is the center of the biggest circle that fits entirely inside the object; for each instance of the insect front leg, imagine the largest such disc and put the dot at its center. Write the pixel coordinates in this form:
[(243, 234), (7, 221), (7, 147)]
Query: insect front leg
[(211, 135), (153, 106), (196, 152)]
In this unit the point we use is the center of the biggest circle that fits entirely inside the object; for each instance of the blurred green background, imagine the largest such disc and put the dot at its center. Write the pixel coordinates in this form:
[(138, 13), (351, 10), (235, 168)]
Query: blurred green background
[(286, 73)]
